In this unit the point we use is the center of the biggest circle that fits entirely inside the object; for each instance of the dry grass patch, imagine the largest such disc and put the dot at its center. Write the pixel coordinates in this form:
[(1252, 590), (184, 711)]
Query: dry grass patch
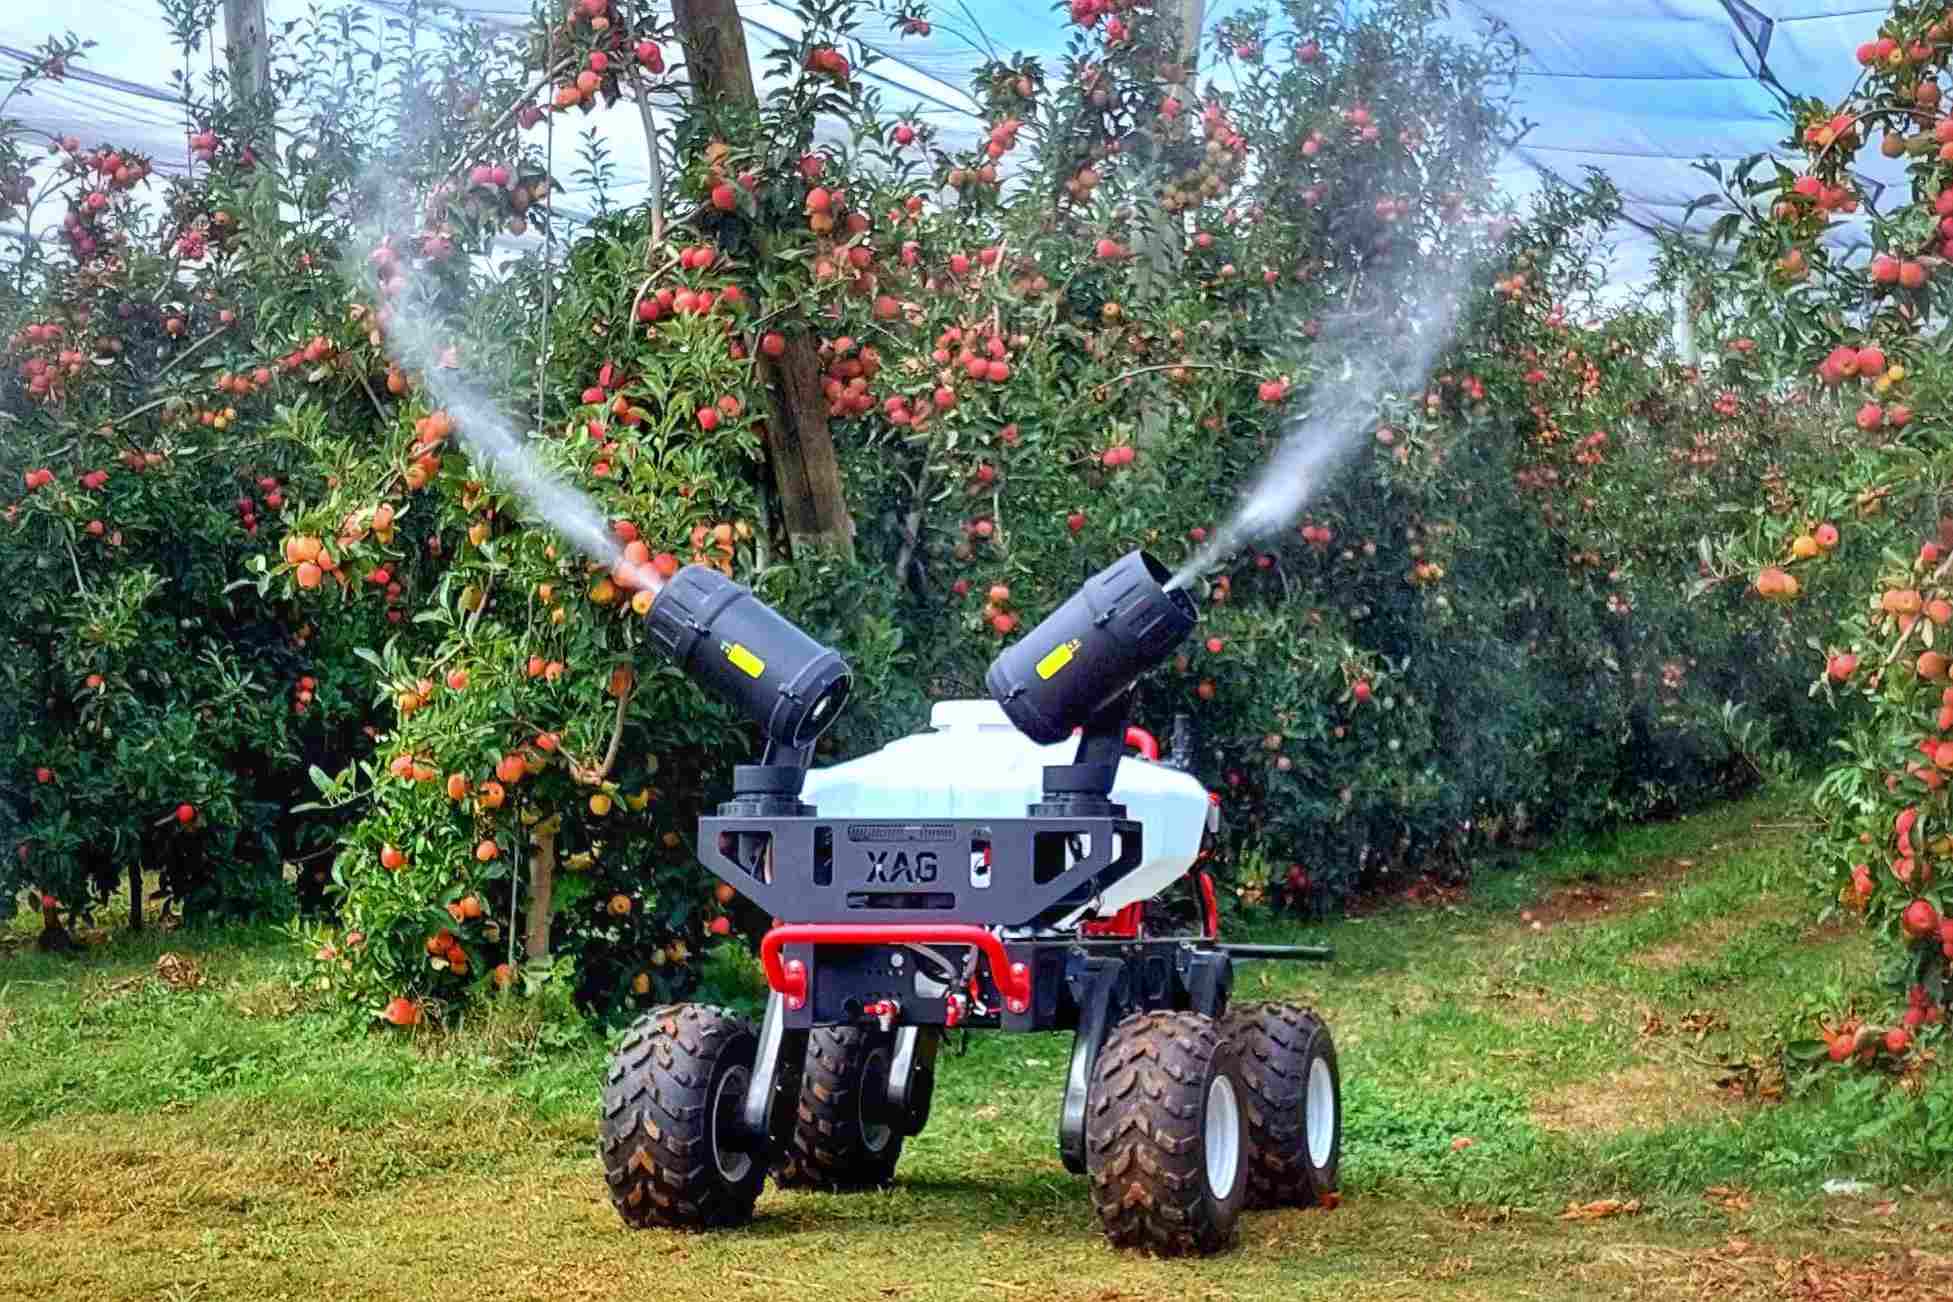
[(1588, 901), (1838, 926), (1698, 942), (1522, 1007), (1737, 1271), (1645, 1096), (202, 1165), (1591, 900), (1530, 1005), (550, 1235), (272, 998)]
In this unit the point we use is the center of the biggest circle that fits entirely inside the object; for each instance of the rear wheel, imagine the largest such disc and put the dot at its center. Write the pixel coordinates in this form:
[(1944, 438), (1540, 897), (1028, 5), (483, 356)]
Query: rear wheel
[(1166, 1136), (843, 1134), (669, 1137), (1294, 1103)]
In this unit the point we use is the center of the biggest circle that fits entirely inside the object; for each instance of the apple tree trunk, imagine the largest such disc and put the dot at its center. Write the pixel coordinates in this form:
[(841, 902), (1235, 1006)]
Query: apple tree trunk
[(799, 444)]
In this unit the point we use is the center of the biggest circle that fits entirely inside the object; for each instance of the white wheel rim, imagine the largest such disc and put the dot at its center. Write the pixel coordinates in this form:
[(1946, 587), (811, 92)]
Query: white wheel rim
[(872, 1103), (734, 1164), (1222, 1137), (1319, 1113)]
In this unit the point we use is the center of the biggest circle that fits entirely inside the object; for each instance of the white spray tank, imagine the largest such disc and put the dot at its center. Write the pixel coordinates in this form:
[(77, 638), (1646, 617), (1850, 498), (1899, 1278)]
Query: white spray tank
[(974, 763)]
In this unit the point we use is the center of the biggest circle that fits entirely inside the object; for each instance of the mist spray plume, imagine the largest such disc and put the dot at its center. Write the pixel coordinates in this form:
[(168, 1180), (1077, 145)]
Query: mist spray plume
[(1375, 361), (413, 338)]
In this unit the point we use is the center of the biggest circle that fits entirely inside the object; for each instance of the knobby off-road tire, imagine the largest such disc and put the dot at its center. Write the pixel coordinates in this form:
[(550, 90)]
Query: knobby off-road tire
[(670, 1104), (1294, 1103), (842, 1138), (1166, 1136)]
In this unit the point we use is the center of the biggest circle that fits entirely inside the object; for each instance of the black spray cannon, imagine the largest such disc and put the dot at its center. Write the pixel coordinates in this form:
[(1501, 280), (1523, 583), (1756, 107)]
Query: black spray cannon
[(1073, 672), (741, 649), (1076, 670)]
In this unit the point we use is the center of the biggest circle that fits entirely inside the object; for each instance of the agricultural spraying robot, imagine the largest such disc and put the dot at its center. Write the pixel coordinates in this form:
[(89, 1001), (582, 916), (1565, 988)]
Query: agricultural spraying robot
[(989, 874)]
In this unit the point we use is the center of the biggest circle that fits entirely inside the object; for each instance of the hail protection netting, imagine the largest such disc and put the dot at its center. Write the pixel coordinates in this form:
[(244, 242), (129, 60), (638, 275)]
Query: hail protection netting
[(1642, 91)]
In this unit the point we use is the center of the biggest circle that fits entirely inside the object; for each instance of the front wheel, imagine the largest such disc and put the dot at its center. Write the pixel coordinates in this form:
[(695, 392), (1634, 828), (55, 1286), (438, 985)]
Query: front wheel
[(843, 1135), (1294, 1103), (669, 1137), (1166, 1140)]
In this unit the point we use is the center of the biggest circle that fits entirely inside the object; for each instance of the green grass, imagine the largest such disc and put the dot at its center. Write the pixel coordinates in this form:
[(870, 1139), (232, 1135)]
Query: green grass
[(237, 1140)]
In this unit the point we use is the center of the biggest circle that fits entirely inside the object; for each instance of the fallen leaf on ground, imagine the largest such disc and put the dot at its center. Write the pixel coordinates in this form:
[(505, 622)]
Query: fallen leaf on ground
[(1699, 1022), (1730, 1200), (178, 972), (1600, 1209)]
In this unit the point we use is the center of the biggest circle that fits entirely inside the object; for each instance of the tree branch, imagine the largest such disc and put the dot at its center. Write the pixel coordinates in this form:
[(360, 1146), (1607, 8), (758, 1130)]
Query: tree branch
[(474, 616), (616, 732), (185, 354), (76, 562), (656, 164), (1917, 619), (912, 526), (116, 422), (1179, 366), (515, 106), (596, 776), (378, 410), (638, 298), (1867, 114)]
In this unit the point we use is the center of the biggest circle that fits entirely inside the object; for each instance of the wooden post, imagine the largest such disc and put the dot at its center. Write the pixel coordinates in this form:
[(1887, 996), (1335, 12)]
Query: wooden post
[(806, 473), (1193, 13), (1163, 238), (716, 60), (542, 892), (247, 42)]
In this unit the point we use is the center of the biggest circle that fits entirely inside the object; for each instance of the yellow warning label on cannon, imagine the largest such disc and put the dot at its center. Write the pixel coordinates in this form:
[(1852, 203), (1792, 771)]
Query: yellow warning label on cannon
[(744, 661), (1057, 658)]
